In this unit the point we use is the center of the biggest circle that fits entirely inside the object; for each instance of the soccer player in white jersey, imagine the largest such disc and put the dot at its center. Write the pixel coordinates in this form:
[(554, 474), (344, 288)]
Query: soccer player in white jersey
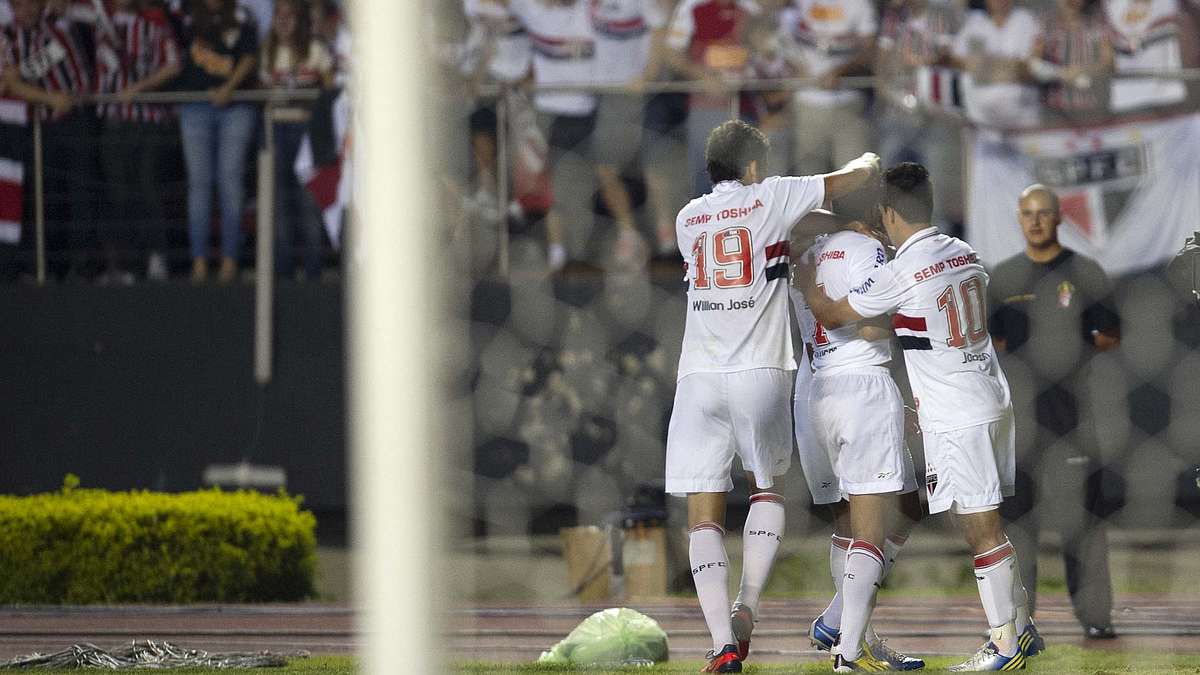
[(937, 290), (854, 450), (736, 366)]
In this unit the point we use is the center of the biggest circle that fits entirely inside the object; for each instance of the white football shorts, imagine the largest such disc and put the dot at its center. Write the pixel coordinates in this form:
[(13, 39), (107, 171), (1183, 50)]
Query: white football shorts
[(972, 469), (718, 415), (823, 483), (858, 421)]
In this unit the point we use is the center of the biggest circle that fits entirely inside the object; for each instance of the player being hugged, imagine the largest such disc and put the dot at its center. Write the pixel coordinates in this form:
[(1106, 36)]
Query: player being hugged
[(736, 368), (852, 447), (936, 288)]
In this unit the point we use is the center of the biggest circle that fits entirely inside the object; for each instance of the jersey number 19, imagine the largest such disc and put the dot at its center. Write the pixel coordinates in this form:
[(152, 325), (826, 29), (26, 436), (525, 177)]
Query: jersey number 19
[(733, 255)]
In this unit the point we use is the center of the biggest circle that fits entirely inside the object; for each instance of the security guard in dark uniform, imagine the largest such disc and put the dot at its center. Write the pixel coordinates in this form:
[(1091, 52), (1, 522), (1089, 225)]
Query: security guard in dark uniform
[(1051, 309)]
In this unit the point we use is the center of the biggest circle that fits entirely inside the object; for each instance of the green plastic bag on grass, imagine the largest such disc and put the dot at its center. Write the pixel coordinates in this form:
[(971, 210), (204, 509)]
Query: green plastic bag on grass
[(610, 637)]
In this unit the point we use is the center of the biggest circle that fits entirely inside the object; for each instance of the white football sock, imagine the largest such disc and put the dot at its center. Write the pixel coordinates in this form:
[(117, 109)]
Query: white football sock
[(760, 543), (994, 574), (864, 568), (832, 616), (1020, 601), (710, 573), (891, 549)]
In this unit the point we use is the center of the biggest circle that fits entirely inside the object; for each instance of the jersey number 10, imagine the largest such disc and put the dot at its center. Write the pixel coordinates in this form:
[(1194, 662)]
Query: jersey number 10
[(974, 310), (732, 254)]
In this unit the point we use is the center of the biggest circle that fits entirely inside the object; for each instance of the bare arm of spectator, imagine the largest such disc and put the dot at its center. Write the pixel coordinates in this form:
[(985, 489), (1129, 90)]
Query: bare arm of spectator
[(222, 95), (155, 80), (658, 55), (863, 56), (60, 103), (865, 28)]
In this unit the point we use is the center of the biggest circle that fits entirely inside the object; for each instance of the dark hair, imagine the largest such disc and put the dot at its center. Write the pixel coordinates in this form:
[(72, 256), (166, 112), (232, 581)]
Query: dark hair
[(861, 205), (208, 23), (730, 149), (301, 41), (908, 192)]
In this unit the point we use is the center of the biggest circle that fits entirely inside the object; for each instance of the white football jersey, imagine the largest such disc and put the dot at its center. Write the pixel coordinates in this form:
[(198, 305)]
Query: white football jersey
[(564, 52), (845, 260), (734, 242), (938, 291), (624, 37), (1145, 37), (825, 35), (805, 321)]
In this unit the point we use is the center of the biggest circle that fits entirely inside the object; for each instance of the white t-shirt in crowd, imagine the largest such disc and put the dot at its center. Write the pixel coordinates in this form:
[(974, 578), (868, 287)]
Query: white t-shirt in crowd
[(734, 241), (624, 32), (1002, 104), (938, 291), (1146, 36), (845, 260), (826, 34), (511, 53), (6, 15), (564, 51)]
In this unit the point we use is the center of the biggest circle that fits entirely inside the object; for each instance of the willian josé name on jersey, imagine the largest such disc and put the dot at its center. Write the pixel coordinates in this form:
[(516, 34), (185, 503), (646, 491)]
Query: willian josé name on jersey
[(709, 306)]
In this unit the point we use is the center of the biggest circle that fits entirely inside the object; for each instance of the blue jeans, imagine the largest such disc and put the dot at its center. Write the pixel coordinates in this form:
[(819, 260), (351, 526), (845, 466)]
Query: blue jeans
[(296, 214), (215, 142)]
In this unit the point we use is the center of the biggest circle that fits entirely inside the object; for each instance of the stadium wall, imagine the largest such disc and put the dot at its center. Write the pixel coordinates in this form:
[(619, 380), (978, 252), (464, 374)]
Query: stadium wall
[(143, 387)]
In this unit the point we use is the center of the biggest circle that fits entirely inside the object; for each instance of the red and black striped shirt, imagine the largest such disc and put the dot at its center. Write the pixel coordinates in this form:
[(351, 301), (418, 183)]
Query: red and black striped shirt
[(47, 55), (145, 45)]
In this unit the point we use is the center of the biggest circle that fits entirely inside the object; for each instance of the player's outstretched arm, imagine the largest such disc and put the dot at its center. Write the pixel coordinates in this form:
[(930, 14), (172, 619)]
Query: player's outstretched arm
[(852, 176), (829, 313)]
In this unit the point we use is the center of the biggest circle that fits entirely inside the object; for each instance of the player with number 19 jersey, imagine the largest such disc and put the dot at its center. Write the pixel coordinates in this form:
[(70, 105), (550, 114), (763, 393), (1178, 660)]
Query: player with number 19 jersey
[(937, 290), (736, 368), (734, 241)]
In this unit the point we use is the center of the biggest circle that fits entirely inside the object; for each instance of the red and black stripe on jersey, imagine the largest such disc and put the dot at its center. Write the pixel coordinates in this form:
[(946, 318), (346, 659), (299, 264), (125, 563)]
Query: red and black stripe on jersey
[(49, 56), (778, 252), (906, 328), (145, 44)]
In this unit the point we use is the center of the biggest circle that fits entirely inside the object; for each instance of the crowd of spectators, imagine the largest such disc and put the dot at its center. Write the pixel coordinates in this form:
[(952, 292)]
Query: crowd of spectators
[(613, 161), (114, 171)]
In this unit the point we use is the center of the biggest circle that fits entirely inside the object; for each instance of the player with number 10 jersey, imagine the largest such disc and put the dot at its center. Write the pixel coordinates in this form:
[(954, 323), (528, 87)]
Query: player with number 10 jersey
[(935, 289)]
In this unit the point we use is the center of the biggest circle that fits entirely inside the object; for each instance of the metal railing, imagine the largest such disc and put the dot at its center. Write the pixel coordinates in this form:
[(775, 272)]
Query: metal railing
[(264, 270)]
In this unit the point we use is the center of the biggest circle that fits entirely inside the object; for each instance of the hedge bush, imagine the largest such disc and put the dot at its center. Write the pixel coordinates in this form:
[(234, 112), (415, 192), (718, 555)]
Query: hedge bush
[(82, 546)]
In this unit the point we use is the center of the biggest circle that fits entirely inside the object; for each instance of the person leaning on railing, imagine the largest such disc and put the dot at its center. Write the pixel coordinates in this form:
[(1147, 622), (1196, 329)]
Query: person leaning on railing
[(46, 65), (138, 54), (1073, 60), (221, 52), (292, 58)]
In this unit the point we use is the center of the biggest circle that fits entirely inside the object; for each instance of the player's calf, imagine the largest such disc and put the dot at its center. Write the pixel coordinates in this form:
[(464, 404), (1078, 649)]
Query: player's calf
[(761, 539)]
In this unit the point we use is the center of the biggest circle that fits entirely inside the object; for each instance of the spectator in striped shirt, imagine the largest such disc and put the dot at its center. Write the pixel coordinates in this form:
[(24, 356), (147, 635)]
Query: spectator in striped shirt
[(915, 92), (136, 135), (46, 65), (292, 58), (222, 50), (1073, 60)]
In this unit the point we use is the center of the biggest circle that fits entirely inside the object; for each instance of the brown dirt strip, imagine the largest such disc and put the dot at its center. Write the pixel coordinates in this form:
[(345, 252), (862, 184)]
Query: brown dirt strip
[(929, 626)]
